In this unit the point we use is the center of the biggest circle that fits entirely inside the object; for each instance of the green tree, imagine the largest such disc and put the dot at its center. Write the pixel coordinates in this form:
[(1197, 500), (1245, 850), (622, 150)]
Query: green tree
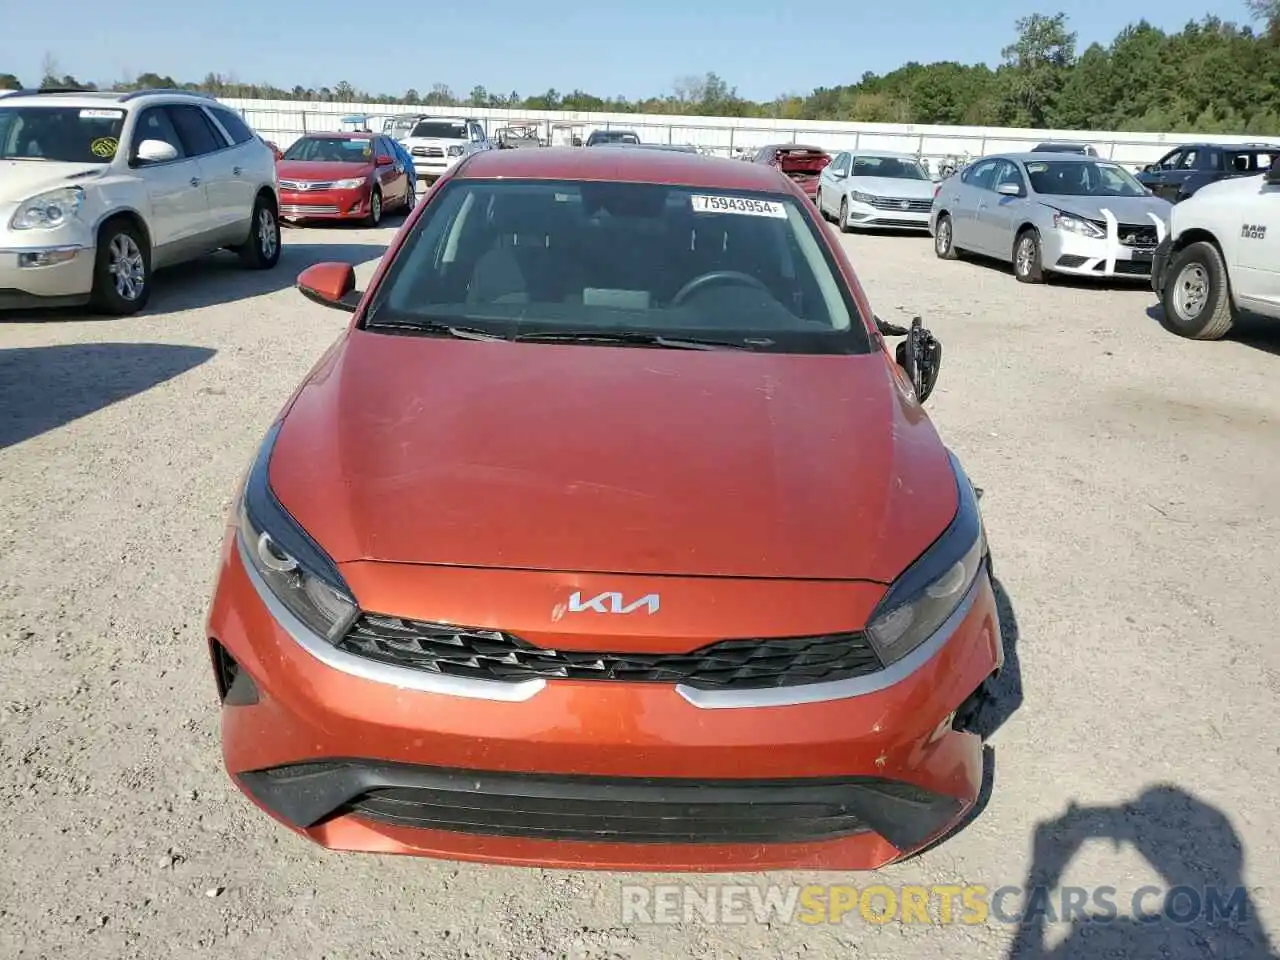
[(1036, 68), (9, 82)]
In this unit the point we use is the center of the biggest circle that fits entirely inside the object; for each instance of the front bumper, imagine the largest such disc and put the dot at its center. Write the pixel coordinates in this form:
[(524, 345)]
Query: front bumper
[(324, 204), (591, 774), (45, 274), (887, 216), (1078, 255), (432, 169)]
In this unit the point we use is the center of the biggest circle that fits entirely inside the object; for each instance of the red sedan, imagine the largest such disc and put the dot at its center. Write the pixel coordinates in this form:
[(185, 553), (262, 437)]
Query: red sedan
[(609, 534), (801, 163), (343, 176)]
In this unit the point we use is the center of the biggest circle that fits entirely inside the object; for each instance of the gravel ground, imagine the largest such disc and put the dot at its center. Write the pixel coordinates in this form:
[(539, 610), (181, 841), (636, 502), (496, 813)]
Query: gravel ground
[(1129, 485)]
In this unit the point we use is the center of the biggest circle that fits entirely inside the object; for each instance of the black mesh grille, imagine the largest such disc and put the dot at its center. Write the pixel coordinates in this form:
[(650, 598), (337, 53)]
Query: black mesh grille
[(1137, 235), (493, 655)]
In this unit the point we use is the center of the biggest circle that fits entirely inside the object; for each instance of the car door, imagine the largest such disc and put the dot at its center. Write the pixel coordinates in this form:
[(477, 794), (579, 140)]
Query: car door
[(175, 188), (202, 139), (391, 179), (1001, 214), (970, 193), (1155, 178), (246, 168), (1258, 244), (1175, 179), (831, 183)]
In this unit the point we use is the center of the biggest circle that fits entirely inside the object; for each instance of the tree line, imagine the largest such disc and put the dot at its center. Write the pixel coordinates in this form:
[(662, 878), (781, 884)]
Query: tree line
[(1213, 76)]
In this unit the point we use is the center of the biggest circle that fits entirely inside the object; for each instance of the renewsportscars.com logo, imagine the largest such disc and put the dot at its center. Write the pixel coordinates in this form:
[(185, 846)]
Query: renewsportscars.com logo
[(939, 904)]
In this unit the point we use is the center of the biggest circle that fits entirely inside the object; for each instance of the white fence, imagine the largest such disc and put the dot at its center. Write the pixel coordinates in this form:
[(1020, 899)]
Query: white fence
[(285, 120)]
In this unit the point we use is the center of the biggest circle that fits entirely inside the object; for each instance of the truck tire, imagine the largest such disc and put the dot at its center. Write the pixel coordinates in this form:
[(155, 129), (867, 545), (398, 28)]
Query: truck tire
[(1196, 299)]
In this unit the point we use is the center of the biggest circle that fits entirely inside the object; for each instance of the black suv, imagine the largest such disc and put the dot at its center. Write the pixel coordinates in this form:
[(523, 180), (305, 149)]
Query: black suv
[(1183, 171)]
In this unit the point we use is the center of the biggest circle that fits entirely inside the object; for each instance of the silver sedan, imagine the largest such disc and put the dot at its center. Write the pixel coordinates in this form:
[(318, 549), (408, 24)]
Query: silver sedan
[(1050, 213)]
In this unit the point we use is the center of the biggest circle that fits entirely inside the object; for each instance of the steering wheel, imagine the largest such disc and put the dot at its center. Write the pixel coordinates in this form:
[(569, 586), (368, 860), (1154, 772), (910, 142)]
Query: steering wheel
[(714, 278)]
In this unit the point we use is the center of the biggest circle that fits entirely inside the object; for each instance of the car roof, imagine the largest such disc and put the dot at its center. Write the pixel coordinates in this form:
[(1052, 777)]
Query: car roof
[(792, 146), (672, 167), (886, 154), (1040, 156), (341, 134), (91, 98)]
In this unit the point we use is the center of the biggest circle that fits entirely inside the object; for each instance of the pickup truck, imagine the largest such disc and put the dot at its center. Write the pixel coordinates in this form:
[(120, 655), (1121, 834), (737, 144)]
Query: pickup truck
[(1181, 172), (1221, 256)]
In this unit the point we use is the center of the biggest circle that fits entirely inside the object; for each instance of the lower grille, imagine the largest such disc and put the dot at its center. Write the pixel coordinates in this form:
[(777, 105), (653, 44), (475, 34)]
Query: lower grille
[(911, 206), (307, 209), (892, 222), (1133, 268), (495, 655), (603, 809)]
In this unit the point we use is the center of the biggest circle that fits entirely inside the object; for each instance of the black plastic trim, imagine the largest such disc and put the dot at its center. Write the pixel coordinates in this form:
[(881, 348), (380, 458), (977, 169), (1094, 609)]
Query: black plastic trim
[(602, 809)]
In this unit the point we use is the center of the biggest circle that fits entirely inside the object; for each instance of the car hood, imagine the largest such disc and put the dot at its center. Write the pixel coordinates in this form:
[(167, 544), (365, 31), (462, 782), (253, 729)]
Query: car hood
[(321, 169), (22, 179), (893, 187), (412, 142), (1124, 209), (612, 459)]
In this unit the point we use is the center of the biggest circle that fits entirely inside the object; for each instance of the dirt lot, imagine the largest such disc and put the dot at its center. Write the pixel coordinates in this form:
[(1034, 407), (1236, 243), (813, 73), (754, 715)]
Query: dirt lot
[(1130, 490)]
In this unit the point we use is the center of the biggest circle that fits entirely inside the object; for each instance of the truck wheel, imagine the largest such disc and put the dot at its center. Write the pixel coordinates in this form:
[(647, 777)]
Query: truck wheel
[(1196, 299)]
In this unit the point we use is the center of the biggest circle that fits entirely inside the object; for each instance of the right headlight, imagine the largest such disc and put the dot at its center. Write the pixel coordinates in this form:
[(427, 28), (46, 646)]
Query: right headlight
[(294, 567), (932, 588), (48, 210)]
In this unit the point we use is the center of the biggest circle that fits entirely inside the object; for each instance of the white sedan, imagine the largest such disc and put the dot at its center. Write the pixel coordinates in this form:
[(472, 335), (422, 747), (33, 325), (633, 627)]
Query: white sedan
[(876, 189)]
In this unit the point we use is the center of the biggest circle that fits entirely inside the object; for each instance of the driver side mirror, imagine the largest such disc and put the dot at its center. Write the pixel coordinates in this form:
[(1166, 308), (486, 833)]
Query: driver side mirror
[(331, 284), (919, 355), (1009, 190)]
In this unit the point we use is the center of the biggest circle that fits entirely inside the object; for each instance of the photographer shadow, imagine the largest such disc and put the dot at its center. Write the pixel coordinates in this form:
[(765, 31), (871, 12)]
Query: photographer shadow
[(1202, 908)]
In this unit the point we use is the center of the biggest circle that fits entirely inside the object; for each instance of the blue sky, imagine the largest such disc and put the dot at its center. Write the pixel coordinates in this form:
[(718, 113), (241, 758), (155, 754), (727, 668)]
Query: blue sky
[(628, 47)]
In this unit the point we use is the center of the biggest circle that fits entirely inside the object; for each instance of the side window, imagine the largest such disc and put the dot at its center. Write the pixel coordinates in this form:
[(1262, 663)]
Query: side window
[(1189, 158), (154, 124), (199, 136), (982, 174), (477, 132), (233, 124), (1009, 173), (845, 160), (1171, 161)]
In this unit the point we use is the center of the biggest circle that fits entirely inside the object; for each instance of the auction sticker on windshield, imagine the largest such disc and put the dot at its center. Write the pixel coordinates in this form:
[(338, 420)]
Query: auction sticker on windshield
[(742, 205), (101, 114)]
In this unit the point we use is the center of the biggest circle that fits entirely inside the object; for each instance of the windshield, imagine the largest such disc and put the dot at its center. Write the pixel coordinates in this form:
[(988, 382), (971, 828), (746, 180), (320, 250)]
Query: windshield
[(613, 136), (440, 130), (66, 134), (521, 258), (341, 149), (1083, 178), (895, 168)]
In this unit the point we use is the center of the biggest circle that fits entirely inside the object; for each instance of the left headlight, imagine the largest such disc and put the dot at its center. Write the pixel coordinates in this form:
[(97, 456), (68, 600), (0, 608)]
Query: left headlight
[(350, 184), (932, 588), (294, 567), (1074, 224), (861, 197), (48, 210)]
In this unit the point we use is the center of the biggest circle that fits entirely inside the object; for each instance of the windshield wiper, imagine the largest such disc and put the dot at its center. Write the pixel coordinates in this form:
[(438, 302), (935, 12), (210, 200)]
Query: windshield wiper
[(639, 339), (428, 327)]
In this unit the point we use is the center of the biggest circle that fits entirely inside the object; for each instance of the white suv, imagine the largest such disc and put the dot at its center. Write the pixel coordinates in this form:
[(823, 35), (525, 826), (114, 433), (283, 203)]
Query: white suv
[(437, 143), (99, 189)]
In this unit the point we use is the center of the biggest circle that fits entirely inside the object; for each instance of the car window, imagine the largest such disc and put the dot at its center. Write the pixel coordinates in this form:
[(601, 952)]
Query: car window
[(67, 134), (338, 149), (199, 136), (1086, 177), (233, 124), (154, 123), (840, 165), (1009, 173), (1249, 161), (1171, 161), (981, 174), (517, 257), (896, 168), (440, 129), (1188, 160)]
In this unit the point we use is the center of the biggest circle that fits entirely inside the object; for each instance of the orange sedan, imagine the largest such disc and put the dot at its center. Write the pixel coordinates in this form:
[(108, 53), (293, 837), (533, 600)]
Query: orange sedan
[(610, 534)]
